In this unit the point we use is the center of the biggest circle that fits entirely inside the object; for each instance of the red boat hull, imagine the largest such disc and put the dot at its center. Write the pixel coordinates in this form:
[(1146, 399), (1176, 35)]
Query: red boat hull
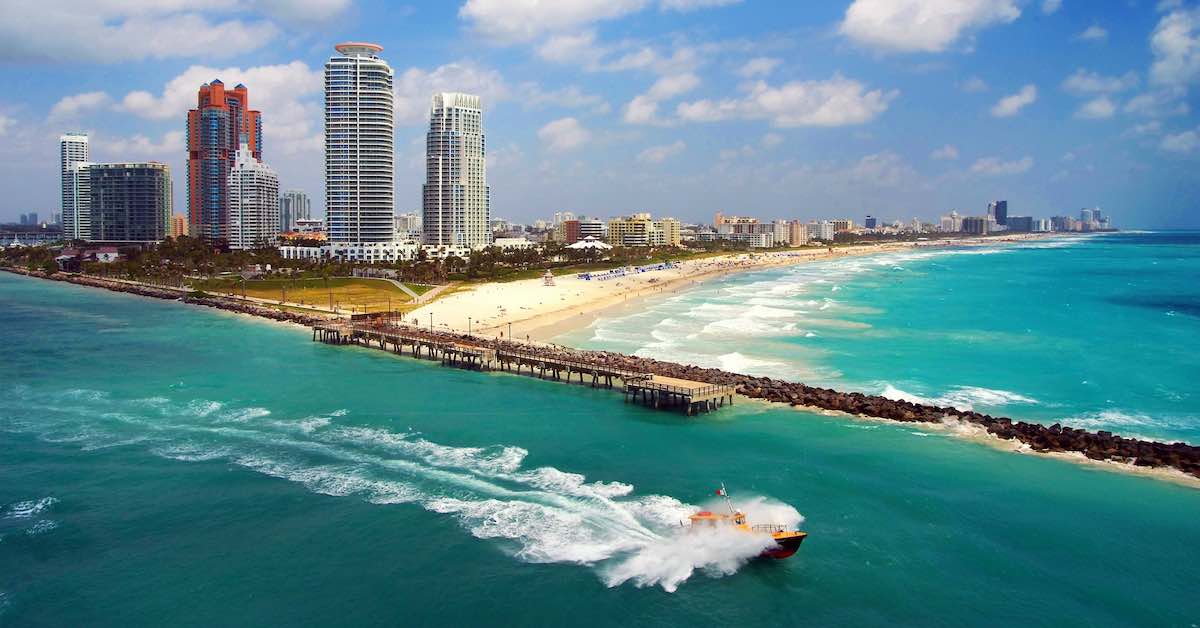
[(784, 547)]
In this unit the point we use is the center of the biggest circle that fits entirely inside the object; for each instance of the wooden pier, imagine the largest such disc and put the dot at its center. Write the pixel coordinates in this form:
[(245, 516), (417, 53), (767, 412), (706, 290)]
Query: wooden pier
[(658, 391), (654, 391)]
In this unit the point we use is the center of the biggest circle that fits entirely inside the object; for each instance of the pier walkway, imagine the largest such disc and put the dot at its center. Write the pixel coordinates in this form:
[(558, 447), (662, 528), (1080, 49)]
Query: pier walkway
[(482, 354)]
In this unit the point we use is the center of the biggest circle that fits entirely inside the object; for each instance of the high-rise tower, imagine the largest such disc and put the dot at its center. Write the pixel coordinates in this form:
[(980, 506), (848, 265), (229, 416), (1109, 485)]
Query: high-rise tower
[(220, 123), (359, 145), (73, 149), (253, 202), (456, 203)]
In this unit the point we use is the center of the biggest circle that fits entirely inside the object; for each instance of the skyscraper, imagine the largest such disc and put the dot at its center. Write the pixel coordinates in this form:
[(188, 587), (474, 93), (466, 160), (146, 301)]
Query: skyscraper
[(73, 149), (293, 205), (999, 211), (130, 202), (456, 201), (253, 202), (77, 214), (220, 123), (359, 145)]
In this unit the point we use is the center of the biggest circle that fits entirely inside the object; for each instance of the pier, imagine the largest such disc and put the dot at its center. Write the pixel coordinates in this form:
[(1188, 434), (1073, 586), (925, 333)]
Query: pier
[(469, 352)]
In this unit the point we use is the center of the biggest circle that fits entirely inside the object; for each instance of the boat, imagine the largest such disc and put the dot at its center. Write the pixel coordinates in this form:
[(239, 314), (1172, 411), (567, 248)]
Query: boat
[(787, 541)]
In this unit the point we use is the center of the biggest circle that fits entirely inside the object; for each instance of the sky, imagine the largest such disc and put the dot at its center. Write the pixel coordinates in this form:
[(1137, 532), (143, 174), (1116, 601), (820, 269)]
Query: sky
[(837, 108)]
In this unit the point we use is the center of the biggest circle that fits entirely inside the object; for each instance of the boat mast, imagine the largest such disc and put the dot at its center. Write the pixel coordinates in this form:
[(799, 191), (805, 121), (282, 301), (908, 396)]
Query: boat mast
[(725, 494)]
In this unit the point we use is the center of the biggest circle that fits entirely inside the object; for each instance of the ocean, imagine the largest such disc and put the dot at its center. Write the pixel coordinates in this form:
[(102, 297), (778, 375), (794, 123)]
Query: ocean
[(1097, 332), (166, 464)]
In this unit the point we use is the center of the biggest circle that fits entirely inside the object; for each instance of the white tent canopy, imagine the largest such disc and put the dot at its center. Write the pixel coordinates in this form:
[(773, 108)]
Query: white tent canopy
[(590, 242)]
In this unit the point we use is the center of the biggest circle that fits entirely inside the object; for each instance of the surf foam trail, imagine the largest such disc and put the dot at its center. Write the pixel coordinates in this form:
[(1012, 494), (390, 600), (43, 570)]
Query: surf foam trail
[(538, 515)]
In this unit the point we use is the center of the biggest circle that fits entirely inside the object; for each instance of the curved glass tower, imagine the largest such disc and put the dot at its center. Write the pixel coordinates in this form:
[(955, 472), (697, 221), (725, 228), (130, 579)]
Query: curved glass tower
[(359, 150)]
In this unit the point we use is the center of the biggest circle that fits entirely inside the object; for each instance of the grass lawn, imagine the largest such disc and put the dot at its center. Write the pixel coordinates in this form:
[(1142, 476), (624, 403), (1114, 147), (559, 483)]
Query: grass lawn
[(346, 293)]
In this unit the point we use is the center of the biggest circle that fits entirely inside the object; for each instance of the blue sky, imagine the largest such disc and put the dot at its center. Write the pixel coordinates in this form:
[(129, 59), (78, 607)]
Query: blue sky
[(897, 108)]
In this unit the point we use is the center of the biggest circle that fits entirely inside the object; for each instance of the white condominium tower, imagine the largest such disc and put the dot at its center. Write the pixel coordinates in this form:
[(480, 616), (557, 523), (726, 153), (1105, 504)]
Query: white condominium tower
[(457, 208), (359, 145), (73, 149), (253, 202)]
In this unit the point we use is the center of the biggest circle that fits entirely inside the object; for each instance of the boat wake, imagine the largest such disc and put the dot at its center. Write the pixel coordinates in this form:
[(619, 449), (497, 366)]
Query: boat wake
[(536, 514)]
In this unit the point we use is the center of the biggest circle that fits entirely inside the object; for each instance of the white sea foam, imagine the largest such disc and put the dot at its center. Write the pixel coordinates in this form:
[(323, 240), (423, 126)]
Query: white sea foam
[(41, 527), (27, 509), (960, 397)]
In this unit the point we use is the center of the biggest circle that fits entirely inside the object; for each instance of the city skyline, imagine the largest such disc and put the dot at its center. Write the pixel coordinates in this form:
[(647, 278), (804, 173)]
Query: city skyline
[(593, 113)]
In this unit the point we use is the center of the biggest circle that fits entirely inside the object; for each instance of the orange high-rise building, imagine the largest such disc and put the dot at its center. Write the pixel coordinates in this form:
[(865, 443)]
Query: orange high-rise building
[(221, 121)]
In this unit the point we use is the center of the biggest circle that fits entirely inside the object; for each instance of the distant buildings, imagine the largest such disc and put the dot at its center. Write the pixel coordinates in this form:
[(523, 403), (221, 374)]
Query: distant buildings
[(130, 202), (797, 233), (221, 122), (253, 202), (841, 225), (823, 230), (950, 223), (293, 205), (73, 149), (29, 219), (977, 225), (456, 200), (641, 230), (871, 222), (359, 145), (408, 226), (179, 225), (1020, 223), (998, 210)]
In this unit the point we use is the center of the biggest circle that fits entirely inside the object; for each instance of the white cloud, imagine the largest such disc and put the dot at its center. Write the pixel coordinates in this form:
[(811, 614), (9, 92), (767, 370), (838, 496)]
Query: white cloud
[(141, 147), (658, 154), (1097, 109), (922, 25), (5, 123), (949, 152), (643, 109), (511, 21), (1176, 47), (1159, 103), (759, 66), (70, 30), (994, 166), (1093, 33), (1153, 127), (578, 48), (771, 140), (533, 96), (835, 102), (1083, 82), (71, 106), (414, 87), (974, 85), (1051, 6), (1011, 105), (1185, 142), (287, 94), (307, 10), (563, 135), (684, 6)]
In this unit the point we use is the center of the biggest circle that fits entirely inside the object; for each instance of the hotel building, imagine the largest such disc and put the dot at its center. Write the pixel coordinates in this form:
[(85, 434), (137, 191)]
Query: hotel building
[(73, 149), (253, 202), (359, 145), (130, 202), (456, 200), (216, 128)]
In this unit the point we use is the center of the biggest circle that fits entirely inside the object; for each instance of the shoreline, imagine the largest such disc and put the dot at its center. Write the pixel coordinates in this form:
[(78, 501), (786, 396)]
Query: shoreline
[(1141, 457), (540, 312)]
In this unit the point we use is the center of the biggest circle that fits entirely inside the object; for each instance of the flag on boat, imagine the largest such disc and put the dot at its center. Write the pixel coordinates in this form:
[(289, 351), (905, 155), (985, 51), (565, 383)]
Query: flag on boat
[(721, 491)]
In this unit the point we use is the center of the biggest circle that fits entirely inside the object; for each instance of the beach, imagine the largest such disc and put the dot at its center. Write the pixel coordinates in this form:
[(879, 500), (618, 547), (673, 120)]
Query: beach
[(538, 311)]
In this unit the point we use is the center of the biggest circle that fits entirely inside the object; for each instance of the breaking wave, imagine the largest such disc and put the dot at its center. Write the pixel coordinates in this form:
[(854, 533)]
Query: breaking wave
[(960, 397), (538, 514)]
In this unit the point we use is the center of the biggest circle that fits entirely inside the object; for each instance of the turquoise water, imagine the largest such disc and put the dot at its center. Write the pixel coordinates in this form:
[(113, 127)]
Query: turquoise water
[(1098, 332), (163, 464)]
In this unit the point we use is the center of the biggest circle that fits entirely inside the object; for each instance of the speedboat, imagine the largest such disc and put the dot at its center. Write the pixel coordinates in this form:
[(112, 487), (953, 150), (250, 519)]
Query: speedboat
[(787, 541)]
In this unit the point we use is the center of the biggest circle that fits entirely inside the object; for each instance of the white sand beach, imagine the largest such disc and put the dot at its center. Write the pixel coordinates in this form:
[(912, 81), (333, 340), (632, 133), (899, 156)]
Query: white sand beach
[(538, 311)]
